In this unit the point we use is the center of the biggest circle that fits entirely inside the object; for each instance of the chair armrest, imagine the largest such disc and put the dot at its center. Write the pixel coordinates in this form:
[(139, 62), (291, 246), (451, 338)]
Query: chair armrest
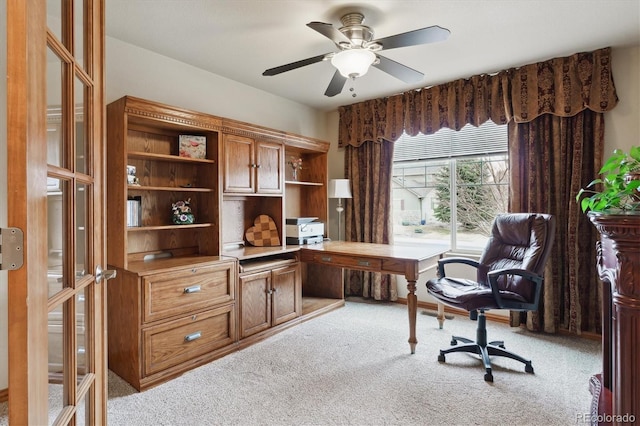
[(521, 306), (463, 260)]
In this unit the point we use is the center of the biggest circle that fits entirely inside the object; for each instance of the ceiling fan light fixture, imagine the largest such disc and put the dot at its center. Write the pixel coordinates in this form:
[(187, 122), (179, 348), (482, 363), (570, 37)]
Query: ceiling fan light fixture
[(353, 63)]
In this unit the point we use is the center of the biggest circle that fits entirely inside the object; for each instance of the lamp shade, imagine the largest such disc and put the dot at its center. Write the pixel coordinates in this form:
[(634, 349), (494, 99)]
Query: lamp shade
[(353, 63), (339, 188)]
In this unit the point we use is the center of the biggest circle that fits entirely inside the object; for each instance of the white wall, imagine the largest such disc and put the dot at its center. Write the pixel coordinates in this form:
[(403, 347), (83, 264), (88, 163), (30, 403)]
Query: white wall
[(144, 74), (3, 193), (622, 124)]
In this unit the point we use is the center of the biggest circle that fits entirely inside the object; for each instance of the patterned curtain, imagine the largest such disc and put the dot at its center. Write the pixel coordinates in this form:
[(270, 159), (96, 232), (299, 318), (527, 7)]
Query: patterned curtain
[(572, 88), (368, 214), (551, 158), (560, 86)]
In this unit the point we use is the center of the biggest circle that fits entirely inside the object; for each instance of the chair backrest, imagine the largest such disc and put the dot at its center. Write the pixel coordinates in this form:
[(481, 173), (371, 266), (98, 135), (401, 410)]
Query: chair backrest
[(518, 240)]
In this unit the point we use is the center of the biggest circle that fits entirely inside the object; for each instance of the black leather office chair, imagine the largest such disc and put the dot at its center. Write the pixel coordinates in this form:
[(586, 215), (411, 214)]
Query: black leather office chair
[(509, 276)]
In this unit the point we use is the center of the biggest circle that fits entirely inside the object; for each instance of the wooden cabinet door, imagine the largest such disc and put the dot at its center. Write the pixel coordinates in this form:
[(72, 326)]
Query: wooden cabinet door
[(239, 164), (255, 303), (269, 171), (287, 293)]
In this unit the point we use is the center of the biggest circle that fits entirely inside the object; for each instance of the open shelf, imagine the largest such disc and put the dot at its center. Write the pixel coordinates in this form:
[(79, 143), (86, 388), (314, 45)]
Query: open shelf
[(165, 157), (297, 182), (166, 227), (168, 188)]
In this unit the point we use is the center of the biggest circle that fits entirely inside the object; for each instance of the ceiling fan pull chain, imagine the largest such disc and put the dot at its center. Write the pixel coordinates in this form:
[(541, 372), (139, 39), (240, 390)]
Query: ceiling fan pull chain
[(352, 89)]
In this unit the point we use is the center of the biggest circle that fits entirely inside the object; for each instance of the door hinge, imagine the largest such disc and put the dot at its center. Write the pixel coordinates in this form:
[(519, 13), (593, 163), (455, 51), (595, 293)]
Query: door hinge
[(11, 248)]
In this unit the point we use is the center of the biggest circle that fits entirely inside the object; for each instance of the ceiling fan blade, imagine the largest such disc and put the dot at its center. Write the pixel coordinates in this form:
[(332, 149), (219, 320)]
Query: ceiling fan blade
[(399, 71), (336, 85), (294, 65), (329, 31), (412, 38)]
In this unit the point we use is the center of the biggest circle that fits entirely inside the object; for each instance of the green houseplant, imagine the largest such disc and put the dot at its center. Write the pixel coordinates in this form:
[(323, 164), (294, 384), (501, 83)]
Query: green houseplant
[(617, 188)]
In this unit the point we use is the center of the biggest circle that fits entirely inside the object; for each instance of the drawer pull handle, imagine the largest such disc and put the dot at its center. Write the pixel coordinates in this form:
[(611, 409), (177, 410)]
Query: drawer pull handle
[(364, 263), (326, 258), (192, 289), (193, 336)]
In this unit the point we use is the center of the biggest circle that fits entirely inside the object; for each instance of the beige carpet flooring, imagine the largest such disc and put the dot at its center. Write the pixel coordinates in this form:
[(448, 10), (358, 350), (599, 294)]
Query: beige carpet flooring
[(353, 367)]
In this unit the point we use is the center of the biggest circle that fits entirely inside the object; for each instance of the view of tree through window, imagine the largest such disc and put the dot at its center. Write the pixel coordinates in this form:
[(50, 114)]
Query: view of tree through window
[(448, 187)]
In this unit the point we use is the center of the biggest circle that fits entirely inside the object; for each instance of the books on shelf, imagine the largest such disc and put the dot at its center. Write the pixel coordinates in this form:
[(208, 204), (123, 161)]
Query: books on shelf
[(134, 211)]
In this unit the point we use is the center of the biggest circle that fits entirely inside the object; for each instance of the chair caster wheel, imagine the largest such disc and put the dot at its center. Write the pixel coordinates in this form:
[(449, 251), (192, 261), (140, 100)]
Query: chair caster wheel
[(488, 377), (441, 358), (528, 368), (454, 342)]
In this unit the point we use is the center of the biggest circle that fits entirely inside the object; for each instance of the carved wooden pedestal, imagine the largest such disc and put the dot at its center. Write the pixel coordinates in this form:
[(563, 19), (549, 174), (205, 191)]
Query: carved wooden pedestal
[(619, 267)]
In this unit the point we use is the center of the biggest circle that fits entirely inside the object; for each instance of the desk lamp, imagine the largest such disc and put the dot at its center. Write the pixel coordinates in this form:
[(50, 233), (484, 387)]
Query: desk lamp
[(339, 188)]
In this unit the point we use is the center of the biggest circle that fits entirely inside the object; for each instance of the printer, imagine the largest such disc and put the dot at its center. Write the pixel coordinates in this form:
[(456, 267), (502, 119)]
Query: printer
[(304, 230)]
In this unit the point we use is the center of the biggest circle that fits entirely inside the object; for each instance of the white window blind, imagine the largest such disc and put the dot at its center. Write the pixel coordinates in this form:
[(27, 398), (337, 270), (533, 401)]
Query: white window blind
[(488, 138)]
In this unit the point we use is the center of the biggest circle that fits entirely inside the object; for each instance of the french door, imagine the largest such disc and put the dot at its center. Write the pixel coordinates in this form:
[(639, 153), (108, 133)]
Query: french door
[(55, 152)]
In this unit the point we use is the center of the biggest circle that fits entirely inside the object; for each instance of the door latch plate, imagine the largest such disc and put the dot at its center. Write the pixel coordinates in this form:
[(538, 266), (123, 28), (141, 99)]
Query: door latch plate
[(11, 248)]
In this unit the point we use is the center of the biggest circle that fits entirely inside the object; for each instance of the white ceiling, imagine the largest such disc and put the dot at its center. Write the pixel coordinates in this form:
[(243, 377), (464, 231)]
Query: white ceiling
[(239, 39)]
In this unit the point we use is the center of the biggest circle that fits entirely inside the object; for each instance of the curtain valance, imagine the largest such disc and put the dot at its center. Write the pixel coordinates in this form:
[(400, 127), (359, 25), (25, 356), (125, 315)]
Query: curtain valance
[(560, 86)]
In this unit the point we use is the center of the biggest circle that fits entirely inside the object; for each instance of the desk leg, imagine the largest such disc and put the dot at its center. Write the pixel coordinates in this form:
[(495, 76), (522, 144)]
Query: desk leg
[(412, 304), (440, 315)]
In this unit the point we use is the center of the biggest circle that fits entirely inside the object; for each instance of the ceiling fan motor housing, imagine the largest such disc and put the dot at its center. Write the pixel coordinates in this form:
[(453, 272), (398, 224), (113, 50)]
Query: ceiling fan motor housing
[(353, 29)]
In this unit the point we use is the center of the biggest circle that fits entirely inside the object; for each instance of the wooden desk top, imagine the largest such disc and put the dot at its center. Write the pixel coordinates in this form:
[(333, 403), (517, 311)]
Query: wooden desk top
[(379, 251), (390, 259)]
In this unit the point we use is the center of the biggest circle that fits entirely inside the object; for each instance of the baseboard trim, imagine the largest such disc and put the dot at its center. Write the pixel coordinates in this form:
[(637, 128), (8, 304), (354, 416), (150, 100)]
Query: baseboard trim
[(4, 395), (449, 310), (495, 318)]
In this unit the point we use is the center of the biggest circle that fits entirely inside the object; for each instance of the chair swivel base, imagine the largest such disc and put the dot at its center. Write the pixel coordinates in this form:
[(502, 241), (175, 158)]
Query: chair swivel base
[(484, 349)]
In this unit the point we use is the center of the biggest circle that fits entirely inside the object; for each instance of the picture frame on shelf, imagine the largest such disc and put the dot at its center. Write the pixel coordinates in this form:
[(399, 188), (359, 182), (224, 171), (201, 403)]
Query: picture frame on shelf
[(191, 146)]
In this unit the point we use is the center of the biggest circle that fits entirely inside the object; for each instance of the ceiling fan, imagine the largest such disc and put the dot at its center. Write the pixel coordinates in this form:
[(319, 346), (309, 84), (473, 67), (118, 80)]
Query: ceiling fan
[(358, 51)]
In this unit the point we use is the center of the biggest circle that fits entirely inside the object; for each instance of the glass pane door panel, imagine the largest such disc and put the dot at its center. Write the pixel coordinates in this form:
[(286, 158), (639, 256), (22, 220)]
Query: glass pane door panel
[(54, 21), (58, 325), (83, 411), (57, 194), (80, 124), (81, 236), (55, 401), (55, 147), (78, 31), (55, 328), (82, 332)]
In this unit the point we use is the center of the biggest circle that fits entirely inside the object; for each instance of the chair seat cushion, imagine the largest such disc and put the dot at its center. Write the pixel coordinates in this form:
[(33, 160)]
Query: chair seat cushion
[(467, 294)]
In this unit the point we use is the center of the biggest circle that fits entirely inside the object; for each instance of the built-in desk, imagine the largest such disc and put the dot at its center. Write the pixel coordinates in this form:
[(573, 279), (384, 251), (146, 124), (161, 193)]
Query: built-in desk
[(407, 261)]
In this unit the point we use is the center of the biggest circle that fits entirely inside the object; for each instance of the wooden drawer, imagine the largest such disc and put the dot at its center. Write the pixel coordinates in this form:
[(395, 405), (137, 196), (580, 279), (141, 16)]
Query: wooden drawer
[(177, 293), (178, 341), (355, 262)]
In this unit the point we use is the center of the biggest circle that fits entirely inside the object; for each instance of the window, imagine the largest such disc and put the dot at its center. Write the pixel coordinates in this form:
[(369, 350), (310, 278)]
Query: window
[(448, 187)]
